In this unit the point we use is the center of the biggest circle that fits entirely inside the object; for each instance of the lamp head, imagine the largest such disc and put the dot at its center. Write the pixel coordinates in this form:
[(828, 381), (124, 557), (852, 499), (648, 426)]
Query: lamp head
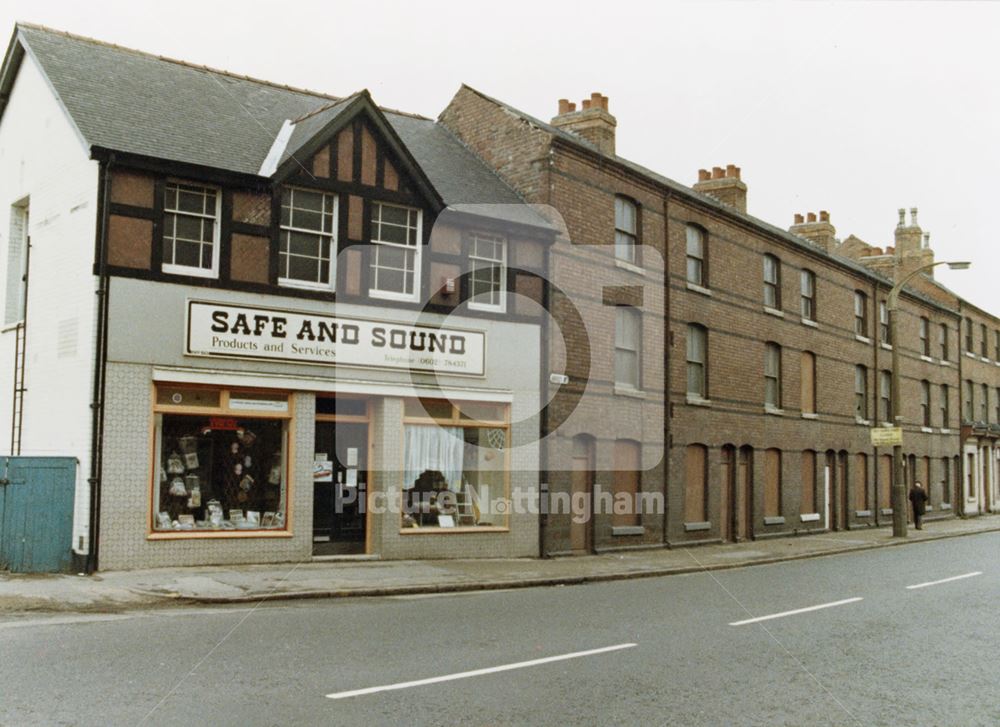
[(959, 265)]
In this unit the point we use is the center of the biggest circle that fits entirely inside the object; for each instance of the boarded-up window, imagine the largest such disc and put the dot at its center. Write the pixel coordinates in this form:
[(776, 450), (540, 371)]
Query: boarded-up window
[(808, 503), (772, 483), (626, 482), (884, 480), (695, 484), (808, 383), (861, 481)]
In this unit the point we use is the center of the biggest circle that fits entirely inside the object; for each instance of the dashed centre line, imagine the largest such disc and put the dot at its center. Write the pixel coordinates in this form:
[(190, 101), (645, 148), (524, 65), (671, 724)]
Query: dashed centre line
[(477, 672), (796, 611), (945, 580)]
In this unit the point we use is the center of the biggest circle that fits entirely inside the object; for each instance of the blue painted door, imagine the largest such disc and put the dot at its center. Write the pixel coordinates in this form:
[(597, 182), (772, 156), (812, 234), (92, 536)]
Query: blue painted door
[(36, 514)]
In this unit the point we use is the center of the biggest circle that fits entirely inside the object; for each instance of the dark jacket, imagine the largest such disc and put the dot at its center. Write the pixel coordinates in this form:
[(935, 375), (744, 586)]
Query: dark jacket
[(918, 496)]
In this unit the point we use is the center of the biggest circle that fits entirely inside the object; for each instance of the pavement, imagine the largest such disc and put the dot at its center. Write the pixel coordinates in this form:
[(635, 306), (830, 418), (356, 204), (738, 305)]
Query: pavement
[(116, 591)]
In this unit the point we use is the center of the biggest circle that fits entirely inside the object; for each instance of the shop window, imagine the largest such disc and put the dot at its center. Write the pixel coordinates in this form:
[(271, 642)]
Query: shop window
[(808, 502), (772, 282), (696, 484), (772, 483), (221, 460), (307, 251), (488, 278), (808, 302), (626, 482), (191, 229), (696, 256), (455, 467), (626, 226), (395, 254)]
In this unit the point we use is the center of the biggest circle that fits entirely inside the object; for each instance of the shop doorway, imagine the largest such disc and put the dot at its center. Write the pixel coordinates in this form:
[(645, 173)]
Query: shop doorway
[(341, 477), (581, 529)]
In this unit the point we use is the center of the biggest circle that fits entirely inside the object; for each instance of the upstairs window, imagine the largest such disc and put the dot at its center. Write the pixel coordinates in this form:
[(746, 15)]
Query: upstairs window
[(984, 403), (983, 341), (860, 393), (17, 260), (772, 282), (884, 332), (944, 405), (885, 396), (696, 256), (191, 229), (967, 400), (996, 346), (925, 403), (968, 335), (625, 230), (307, 248), (808, 281), (488, 279), (860, 314), (697, 361), (772, 376), (943, 341), (808, 383), (925, 337), (628, 334), (395, 255)]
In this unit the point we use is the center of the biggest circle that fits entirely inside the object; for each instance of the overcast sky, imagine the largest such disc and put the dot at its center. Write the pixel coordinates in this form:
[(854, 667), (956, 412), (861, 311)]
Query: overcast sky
[(858, 109)]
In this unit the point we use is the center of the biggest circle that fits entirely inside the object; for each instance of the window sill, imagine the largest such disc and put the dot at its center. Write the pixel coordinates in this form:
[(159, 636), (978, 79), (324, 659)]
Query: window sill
[(926, 430), (631, 267), (970, 354), (216, 534), (864, 339), (628, 530), (777, 520), (389, 295), (809, 517), (886, 346), (774, 312), (625, 390), (863, 422), (928, 359), (945, 506), (190, 272), (695, 288), (944, 430), (862, 513), (487, 307), (810, 415), (774, 411), (809, 322), (692, 527), (984, 359), (697, 401), (437, 530), (946, 362), (304, 285)]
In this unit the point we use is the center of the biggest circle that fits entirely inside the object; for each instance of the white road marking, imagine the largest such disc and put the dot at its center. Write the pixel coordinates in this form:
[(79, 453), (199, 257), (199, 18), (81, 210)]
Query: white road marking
[(945, 580), (477, 672), (798, 610)]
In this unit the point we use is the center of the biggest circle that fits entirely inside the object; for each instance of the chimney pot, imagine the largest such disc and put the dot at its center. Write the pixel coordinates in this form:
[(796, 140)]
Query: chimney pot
[(704, 175), (563, 106), (927, 240), (811, 217), (718, 172), (731, 171), (595, 100), (585, 104), (572, 106), (824, 216), (902, 217), (604, 102), (799, 219), (913, 216)]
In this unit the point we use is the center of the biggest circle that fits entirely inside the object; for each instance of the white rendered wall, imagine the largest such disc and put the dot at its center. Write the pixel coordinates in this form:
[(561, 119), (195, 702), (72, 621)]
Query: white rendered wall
[(43, 158)]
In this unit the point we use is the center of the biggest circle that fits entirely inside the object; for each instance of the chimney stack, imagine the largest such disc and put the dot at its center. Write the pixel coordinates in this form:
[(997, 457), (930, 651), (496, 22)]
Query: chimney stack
[(725, 185), (913, 245), (593, 122), (820, 233)]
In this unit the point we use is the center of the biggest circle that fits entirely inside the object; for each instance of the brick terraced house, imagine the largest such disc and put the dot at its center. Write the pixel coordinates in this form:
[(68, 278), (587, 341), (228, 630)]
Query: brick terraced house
[(775, 343)]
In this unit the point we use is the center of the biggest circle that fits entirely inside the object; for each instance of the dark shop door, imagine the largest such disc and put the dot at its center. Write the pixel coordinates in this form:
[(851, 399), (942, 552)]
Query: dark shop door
[(339, 488)]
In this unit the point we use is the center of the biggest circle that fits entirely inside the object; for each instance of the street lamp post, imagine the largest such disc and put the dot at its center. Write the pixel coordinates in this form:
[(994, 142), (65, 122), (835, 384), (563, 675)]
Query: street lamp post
[(898, 492)]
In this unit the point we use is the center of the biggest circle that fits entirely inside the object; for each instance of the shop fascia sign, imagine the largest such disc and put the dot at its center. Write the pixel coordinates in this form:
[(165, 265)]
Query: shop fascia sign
[(236, 331)]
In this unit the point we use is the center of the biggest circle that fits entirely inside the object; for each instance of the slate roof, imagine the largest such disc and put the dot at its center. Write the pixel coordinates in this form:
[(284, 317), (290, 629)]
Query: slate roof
[(134, 102)]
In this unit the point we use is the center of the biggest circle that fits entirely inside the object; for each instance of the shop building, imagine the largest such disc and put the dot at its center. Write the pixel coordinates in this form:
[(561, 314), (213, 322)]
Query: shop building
[(269, 324)]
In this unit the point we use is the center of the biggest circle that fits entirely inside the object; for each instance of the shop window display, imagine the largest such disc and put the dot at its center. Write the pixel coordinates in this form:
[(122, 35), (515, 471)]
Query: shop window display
[(219, 473)]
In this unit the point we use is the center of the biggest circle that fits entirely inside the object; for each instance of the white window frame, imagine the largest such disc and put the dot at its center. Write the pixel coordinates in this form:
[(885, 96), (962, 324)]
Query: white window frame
[(694, 234), (631, 315), (282, 229), (772, 372), (199, 272), (488, 262), (697, 338), (417, 257), (631, 237)]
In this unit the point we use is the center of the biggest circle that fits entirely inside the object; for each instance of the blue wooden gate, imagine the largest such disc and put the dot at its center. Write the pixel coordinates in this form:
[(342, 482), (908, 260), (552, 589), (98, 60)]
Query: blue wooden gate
[(36, 514)]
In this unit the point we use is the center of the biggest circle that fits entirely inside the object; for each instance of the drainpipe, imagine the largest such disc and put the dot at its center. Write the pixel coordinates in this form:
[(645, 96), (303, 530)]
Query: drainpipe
[(100, 365)]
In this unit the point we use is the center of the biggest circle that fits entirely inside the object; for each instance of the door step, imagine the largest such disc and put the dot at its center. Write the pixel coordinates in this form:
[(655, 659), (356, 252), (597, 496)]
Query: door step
[(334, 558)]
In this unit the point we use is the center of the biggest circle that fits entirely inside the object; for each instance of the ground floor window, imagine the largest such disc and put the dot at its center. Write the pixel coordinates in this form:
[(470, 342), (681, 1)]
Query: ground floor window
[(455, 464), (220, 460)]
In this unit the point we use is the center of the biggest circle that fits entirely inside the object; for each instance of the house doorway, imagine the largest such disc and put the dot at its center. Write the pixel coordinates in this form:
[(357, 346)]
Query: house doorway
[(341, 476), (727, 494), (743, 501), (581, 529)]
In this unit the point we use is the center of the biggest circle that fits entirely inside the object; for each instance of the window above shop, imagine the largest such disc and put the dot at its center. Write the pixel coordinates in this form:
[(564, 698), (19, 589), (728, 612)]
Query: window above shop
[(191, 229), (307, 250), (396, 239), (488, 273)]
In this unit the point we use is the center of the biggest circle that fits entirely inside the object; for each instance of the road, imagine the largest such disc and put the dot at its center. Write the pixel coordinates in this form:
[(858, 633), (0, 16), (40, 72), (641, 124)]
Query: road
[(847, 640)]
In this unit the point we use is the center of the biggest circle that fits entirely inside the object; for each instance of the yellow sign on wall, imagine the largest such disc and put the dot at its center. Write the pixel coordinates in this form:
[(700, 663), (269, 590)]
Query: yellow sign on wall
[(886, 436)]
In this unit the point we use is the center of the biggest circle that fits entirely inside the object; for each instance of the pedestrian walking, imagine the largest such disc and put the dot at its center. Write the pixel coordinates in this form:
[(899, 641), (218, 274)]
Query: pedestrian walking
[(918, 496)]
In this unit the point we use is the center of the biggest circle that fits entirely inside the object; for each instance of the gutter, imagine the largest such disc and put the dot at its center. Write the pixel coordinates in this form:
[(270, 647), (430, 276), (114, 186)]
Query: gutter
[(100, 365)]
